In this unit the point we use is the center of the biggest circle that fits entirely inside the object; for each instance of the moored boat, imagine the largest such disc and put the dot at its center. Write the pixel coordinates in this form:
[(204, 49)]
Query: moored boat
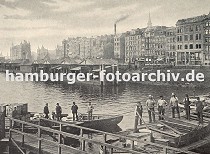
[(98, 121)]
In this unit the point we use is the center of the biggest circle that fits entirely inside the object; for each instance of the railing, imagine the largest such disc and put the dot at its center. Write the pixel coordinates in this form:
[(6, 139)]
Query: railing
[(83, 140), (59, 143)]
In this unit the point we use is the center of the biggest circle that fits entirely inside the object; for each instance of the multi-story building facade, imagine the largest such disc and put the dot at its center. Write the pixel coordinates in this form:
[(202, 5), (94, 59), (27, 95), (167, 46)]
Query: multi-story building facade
[(192, 40), (148, 45), (86, 47), (170, 45), (21, 51), (119, 47), (133, 45), (206, 44), (59, 52), (41, 53), (154, 44)]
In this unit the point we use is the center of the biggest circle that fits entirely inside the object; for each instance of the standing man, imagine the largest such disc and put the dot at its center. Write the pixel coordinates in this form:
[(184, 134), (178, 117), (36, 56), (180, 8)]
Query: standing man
[(161, 107), (58, 111), (199, 110), (74, 109), (138, 112), (138, 116), (150, 106), (15, 115), (174, 105), (90, 111), (46, 111), (186, 102)]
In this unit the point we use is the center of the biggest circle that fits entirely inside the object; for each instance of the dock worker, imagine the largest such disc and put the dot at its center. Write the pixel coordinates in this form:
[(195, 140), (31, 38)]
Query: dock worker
[(187, 102), (150, 106), (174, 105), (58, 110), (90, 111), (15, 115), (74, 109), (138, 112), (199, 110), (161, 107), (46, 111)]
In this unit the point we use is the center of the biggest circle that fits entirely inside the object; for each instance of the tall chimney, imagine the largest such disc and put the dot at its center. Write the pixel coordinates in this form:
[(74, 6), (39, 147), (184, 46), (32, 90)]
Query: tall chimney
[(115, 29)]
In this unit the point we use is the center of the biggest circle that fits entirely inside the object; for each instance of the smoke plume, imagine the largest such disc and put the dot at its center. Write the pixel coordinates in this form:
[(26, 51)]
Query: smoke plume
[(123, 17)]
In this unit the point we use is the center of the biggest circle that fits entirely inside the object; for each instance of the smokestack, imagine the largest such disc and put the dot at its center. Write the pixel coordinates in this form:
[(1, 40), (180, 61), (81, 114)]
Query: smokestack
[(115, 29), (123, 17)]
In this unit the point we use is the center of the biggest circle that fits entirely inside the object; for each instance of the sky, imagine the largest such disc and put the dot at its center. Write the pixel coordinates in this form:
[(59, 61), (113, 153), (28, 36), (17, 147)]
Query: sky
[(48, 22)]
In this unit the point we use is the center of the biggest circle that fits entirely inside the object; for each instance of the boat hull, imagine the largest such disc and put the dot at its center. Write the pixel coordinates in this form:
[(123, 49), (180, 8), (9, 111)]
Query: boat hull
[(103, 124)]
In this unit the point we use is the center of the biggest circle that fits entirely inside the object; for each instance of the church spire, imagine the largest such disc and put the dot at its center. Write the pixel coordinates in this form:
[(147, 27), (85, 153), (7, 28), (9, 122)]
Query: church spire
[(149, 24)]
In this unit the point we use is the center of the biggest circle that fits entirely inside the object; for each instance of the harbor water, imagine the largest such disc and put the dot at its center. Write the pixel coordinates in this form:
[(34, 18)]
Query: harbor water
[(107, 100)]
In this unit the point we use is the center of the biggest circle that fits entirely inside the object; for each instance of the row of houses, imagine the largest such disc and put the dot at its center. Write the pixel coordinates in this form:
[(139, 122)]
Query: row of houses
[(188, 43)]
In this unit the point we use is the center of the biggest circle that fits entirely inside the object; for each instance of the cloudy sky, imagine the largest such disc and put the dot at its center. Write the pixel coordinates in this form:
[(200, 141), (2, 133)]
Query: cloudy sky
[(48, 22)]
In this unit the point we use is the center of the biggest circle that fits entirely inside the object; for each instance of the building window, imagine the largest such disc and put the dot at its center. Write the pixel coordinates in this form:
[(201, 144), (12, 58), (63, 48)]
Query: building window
[(179, 30), (198, 46), (186, 38), (191, 37), (191, 28), (185, 46), (191, 46), (199, 36), (197, 28), (207, 32), (196, 37)]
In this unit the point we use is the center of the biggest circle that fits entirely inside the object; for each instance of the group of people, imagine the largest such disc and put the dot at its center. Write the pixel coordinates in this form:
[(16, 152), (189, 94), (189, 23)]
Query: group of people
[(162, 106), (74, 110)]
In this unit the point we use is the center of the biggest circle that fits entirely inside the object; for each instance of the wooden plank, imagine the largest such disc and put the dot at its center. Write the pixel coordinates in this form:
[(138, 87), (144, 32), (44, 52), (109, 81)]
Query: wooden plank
[(180, 124), (176, 131), (163, 132)]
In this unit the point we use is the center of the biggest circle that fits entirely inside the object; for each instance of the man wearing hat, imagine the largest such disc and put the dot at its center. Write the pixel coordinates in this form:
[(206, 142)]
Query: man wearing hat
[(161, 107), (174, 105), (46, 111), (58, 111), (150, 106)]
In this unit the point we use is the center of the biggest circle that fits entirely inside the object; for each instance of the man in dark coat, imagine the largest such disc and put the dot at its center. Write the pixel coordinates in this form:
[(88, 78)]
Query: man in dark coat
[(74, 109), (15, 115), (58, 111), (187, 102), (46, 111)]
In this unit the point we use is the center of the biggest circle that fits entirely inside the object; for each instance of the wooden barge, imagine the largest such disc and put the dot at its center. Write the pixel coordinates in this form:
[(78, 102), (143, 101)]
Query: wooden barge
[(165, 136)]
